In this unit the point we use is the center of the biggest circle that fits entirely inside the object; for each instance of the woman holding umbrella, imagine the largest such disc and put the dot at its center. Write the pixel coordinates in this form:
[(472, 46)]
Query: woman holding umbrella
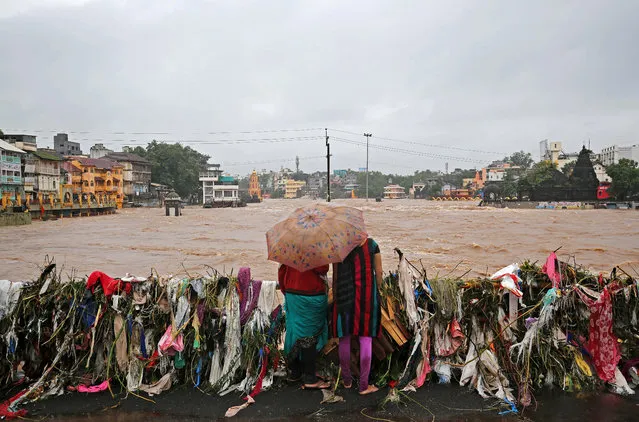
[(356, 310), (306, 326), (305, 243)]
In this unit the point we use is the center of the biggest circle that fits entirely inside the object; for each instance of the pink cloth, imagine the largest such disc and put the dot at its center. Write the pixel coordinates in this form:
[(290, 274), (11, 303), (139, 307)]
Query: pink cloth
[(450, 343), (169, 344), (93, 388), (602, 343), (425, 364), (550, 269), (365, 357)]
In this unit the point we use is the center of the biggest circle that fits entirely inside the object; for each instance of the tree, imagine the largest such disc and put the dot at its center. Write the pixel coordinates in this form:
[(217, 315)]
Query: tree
[(509, 186), (175, 165), (141, 151), (1, 134), (625, 179), (376, 183), (568, 168), (265, 181), (243, 183), (521, 159), (541, 172), (435, 189)]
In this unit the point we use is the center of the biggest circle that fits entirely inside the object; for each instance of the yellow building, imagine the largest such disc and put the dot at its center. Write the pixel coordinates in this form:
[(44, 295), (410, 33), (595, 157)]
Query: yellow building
[(254, 186), (95, 179), (293, 187)]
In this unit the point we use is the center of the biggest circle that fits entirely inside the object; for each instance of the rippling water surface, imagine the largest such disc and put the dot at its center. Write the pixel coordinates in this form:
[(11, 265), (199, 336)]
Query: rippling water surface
[(445, 236)]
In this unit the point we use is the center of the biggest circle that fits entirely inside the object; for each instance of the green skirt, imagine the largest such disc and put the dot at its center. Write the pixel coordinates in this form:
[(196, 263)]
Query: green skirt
[(306, 322)]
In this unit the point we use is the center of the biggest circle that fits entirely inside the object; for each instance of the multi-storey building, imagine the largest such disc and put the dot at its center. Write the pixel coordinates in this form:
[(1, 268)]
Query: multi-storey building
[(63, 146), (394, 192), (218, 188), (293, 187), (136, 172), (46, 171), (11, 186), (612, 155), (26, 143), (96, 179)]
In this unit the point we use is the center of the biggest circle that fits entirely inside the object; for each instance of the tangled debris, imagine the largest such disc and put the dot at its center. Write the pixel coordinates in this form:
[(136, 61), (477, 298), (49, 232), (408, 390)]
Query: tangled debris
[(506, 336)]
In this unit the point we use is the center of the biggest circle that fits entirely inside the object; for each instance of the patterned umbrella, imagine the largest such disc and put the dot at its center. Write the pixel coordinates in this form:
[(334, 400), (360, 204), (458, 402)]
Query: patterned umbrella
[(317, 235)]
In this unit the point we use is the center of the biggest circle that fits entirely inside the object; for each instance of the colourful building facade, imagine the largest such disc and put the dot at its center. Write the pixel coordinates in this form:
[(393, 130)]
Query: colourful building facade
[(254, 186), (94, 179)]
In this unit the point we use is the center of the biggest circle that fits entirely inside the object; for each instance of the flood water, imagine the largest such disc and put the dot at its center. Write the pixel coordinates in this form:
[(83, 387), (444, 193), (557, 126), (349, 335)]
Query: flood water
[(448, 236)]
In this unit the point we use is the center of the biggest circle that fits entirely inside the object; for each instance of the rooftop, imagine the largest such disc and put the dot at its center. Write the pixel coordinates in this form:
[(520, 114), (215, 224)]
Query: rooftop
[(47, 154), (8, 147), (100, 163), (127, 156)]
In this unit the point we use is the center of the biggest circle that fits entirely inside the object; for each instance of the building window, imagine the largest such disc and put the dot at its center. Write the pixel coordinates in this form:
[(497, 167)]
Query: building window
[(91, 182)]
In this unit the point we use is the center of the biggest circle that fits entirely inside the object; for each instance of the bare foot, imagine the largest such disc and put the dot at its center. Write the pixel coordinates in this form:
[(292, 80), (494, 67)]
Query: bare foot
[(371, 389), (349, 385), (319, 385)]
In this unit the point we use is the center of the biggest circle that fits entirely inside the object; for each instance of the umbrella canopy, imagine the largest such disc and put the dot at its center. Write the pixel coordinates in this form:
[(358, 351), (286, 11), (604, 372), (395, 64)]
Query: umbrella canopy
[(316, 235)]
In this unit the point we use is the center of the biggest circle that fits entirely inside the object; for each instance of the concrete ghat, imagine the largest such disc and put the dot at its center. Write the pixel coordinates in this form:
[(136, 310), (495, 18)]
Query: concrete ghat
[(15, 219)]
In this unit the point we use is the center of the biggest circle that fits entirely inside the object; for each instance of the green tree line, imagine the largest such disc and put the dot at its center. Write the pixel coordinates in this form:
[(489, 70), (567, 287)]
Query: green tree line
[(175, 165)]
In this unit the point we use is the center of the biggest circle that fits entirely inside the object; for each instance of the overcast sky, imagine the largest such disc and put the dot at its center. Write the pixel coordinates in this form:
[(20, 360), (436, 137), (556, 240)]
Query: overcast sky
[(458, 81)]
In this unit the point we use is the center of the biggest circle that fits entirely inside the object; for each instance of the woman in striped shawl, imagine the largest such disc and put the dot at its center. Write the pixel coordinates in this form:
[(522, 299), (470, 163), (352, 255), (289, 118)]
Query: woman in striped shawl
[(356, 310)]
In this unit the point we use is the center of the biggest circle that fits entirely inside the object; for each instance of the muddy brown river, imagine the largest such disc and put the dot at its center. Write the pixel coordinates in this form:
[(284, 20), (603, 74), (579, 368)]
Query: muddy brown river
[(447, 237)]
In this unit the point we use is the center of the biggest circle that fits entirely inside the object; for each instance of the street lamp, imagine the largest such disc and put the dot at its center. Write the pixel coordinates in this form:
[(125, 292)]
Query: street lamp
[(368, 135)]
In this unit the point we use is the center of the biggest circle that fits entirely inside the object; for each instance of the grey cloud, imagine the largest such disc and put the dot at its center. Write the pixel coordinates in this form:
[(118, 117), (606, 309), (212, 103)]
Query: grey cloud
[(491, 75)]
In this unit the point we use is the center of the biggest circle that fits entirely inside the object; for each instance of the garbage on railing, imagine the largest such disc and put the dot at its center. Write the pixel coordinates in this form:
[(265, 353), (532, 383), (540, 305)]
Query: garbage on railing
[(505, 336)]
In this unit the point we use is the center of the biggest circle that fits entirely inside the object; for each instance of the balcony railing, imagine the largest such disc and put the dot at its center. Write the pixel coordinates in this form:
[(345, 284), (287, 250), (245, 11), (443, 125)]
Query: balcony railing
[(10, 159), (210, 173), (11, 180)]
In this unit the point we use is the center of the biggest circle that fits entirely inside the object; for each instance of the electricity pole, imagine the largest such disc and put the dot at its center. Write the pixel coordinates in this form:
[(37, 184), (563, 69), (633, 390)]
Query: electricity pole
[(368, 135), (328, 167)]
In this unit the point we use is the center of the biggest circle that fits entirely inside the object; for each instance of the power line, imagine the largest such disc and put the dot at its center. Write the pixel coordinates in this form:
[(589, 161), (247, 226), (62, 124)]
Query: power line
[(410, 152), (250, 163), (218, 141), (423, 144), (28, 131)]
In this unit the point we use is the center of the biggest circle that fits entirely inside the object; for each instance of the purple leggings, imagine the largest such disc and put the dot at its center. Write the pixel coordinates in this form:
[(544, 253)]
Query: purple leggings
[(365, 355)]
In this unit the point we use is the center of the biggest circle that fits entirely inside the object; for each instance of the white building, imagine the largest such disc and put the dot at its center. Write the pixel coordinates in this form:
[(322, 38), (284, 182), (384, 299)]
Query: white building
[(218, 188), (47, 164), (612, 155), (99, 151), (600, 171)]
